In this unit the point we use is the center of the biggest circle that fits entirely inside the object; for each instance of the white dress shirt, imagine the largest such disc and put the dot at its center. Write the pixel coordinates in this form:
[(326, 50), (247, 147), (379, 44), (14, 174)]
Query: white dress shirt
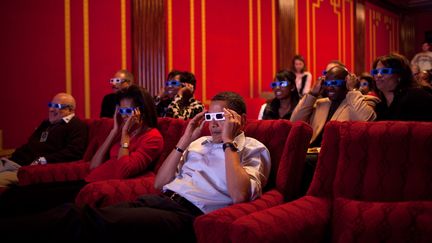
[(202, 178)]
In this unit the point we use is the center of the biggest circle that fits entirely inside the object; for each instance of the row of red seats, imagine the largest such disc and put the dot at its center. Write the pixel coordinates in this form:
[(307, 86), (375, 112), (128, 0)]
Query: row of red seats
[(372, 183)]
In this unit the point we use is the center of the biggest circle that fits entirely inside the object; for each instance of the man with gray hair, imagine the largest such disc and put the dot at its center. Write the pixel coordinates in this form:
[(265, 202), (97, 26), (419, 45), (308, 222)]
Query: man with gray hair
[(60, 138)]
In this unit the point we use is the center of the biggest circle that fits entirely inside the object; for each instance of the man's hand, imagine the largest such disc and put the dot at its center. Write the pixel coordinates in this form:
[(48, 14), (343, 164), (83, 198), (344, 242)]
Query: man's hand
[(193, 130), (231, 126), (317, 88)]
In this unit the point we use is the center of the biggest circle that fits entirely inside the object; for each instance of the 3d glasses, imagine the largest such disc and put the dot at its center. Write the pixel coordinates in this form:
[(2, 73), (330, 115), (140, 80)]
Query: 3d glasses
[(217, 116), (324, 72), (364, 84), (383, 71), (275, 84), (126, 110), (173, 83), (334, 83), (58, 106), (118, 80)]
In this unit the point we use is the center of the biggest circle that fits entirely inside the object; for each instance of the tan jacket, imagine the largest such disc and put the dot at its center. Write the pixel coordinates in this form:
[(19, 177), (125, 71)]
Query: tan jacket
[(355, 107)]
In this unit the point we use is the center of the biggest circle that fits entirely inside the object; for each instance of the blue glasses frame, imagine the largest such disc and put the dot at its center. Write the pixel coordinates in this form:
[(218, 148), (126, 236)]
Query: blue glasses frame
[(384, 71), (283, 83), (58, 106), (337, 83), (217, 116), (126, 110), (173, 83), (364, 84)]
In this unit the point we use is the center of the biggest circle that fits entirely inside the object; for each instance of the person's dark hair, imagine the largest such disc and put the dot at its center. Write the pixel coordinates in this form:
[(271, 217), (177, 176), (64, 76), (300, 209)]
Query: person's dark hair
[(290, 76), (172, 74), (366, 76), (234, 101), (400, 63), (142, 99), (300, 58), (188, 77)]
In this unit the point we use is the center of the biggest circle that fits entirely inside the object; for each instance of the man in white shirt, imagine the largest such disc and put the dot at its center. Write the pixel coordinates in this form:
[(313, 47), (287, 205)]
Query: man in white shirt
[(200, 175), (423, 59)]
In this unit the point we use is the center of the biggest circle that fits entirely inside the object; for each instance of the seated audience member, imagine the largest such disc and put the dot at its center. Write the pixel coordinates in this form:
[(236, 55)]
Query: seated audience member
[(200, 175), (131, 147), (303, 79), (60, 138), (367, 85), (184, 105), (122, 78), (286, 97), (343, 103), (167, 94), (423, 59), (403, 98)]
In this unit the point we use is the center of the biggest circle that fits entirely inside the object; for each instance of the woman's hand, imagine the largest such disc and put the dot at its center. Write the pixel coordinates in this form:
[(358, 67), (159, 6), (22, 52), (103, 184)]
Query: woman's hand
[(351, 81), (193, 130), (131, 121), (231, 126)]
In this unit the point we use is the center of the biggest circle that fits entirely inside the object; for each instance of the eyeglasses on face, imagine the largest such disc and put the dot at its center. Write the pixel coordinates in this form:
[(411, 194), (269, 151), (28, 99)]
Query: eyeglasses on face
[(173, 83), (364, 84), (118, 80), (334, 83), (383, 71), (283, 83), (324, 72), (126, 110), (58, 106), (217, 116)]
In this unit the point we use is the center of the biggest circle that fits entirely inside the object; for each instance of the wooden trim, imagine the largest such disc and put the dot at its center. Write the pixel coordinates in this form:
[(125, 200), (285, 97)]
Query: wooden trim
[(360, 40), (149, 48), (286, 28)]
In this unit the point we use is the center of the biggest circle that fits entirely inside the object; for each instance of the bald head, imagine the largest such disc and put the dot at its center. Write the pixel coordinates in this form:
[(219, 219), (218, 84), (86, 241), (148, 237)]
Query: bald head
[(67, 99), (337, 72), (68, 105)]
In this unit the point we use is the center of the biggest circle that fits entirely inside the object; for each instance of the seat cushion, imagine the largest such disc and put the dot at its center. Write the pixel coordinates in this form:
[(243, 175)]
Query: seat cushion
[(360, 221)]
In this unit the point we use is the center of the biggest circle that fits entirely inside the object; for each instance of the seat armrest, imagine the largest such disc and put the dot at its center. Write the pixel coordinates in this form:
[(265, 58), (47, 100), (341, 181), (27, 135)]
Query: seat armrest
[(302, 220), (68, 171), (213, 227)]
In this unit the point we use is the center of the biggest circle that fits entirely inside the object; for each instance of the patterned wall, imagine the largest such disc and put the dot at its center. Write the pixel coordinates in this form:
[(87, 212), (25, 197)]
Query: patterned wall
[(52, 46)]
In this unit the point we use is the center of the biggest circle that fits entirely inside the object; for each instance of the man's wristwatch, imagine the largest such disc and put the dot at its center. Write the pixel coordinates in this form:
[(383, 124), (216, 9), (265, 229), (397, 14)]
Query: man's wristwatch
[(231, 145), (124, 145)]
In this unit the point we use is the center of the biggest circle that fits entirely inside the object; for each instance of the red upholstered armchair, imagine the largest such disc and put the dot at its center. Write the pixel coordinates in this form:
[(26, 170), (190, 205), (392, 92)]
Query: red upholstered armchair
[(372, 184), (98, 130), (103, 193), (287, 143), (274, 134)]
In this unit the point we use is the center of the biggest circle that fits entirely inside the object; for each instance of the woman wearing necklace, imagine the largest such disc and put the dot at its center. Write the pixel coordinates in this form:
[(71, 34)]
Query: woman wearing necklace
[(286, 97), (131, 147)]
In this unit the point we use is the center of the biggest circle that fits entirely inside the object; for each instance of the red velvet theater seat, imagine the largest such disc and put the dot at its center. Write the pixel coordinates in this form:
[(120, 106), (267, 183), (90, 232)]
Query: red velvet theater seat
[(103, 193), (287, 143), (274, 134), (98, 130), (372, 184)]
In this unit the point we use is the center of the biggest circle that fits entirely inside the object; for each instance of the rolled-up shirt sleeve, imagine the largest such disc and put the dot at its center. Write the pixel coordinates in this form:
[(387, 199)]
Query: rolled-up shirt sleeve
[(256, 162)]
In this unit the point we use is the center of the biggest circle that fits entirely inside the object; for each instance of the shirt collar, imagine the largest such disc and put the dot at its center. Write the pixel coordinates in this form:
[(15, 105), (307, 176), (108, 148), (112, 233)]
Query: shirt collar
[(68, 118), (240, 141)]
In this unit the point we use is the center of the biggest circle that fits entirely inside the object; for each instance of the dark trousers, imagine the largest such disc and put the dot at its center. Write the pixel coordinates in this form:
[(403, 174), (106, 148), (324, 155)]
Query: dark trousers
[(152, 218), (19, 200)]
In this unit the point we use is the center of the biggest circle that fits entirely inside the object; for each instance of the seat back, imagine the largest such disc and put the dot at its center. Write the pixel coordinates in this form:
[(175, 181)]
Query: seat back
[(98, 130), (375, 161), (171, 130), (385, 161)]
